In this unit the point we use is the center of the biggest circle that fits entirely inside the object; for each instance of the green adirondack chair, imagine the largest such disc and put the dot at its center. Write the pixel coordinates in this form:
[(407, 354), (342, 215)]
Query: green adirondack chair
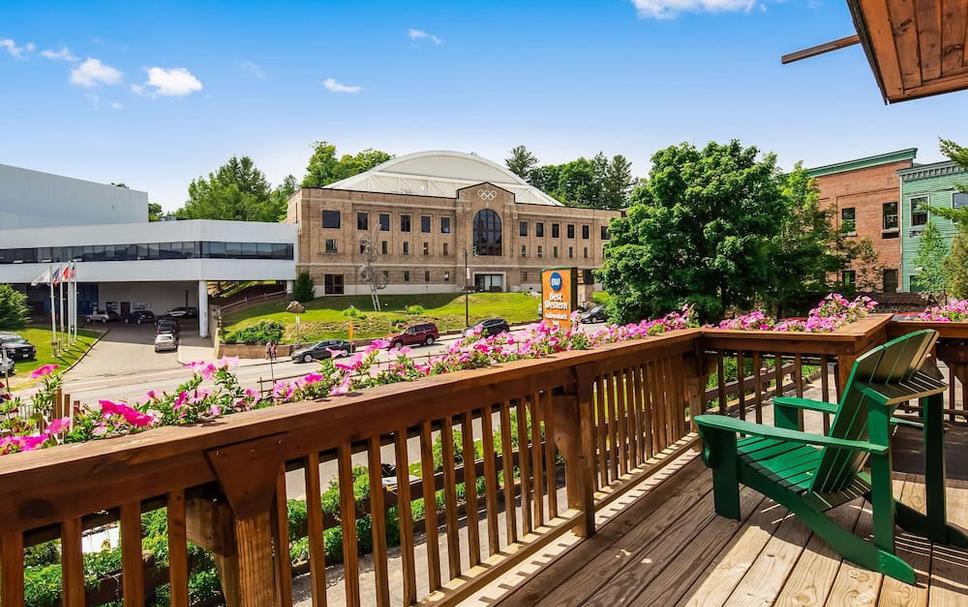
[(810, 473)]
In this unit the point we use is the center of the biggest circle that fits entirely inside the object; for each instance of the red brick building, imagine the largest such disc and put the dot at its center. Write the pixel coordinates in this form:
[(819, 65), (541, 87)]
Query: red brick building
[(864, 193)]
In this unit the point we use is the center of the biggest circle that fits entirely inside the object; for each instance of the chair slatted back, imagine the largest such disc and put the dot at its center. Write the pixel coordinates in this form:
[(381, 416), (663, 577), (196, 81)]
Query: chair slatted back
[(889, 364)]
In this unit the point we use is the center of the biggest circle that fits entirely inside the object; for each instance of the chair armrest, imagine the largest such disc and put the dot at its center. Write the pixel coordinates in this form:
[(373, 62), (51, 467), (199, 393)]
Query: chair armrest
[(738, 426), (806, 403)]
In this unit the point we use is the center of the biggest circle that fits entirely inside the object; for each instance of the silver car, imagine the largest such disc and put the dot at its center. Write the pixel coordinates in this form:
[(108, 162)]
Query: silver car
[(166, 342), (6, 365)]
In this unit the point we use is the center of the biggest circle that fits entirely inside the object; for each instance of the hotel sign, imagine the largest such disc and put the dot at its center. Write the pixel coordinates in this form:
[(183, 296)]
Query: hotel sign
[(559, 295)]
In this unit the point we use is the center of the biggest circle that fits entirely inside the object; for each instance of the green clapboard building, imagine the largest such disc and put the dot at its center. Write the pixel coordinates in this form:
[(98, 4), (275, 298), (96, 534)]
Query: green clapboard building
[(926, 184)]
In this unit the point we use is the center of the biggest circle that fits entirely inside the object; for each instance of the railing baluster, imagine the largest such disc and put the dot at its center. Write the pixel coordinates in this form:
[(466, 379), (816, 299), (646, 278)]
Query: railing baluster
[(951, 394), (280, 539), (622, 423), (507, 458), (721, 381), (672, 416), (450, 496), (741, 382), (524, 465), (601, 432), (550, 471), (610, 406), (314, 525), (648, 415), (378, 525), (12, 569), (347, 515), (490, 480), (758, 386), (825, 388), (778, 373), (72, 563), (658, 410), (430, 505), (470, 488), (406, 518), (631, 405), (798, 374), (133, 580), (536, 459), (177, 549), (679, 402)]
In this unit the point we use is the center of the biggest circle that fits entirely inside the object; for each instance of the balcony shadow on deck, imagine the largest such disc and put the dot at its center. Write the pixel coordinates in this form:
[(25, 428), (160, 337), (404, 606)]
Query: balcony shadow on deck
[(667, 547)]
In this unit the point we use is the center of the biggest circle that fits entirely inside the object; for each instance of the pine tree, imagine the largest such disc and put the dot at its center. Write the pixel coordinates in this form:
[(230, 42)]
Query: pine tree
[(521, 162)]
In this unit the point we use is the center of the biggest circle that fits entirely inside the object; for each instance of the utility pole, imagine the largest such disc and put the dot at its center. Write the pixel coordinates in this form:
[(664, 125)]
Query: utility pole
[(467, 280)]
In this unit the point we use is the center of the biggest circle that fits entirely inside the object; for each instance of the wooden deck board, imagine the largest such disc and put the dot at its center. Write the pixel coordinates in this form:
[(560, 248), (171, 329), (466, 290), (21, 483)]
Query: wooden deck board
[(669, 548)]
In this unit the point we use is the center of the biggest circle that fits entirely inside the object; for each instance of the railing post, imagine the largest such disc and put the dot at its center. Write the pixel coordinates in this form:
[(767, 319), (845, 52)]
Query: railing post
[(575, 435), (694, 382), (248, 474)]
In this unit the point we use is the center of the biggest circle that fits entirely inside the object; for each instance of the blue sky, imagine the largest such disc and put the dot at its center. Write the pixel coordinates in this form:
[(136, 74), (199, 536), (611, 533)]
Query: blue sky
[(111, 91)]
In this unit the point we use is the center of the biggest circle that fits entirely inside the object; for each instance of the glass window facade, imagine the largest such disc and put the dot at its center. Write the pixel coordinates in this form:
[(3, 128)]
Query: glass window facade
[(150, 250)]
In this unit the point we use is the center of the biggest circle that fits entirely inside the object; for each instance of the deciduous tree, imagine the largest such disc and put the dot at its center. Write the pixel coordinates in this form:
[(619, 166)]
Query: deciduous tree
[(14, 311), (930, 262), (325, 168), (237, 190)]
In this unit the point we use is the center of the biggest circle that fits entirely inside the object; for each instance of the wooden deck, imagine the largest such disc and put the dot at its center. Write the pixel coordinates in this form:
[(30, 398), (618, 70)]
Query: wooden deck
[(665, 546)]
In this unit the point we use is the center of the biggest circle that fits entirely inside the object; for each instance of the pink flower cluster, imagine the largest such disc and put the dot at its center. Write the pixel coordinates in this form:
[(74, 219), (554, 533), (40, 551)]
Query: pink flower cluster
[(833, 311), (953, 311), (47, 437)]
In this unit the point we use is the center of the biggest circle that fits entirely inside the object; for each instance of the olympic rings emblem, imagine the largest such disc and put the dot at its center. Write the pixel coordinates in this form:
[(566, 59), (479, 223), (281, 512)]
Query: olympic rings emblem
[(487, 194)]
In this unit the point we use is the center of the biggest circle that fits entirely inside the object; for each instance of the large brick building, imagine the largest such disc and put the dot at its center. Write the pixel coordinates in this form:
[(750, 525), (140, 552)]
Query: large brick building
[(864, 196), (429, 213)]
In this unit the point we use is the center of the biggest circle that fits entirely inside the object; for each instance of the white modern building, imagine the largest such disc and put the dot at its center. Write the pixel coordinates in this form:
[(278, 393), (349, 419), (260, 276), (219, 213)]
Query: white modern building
[(132, 264)]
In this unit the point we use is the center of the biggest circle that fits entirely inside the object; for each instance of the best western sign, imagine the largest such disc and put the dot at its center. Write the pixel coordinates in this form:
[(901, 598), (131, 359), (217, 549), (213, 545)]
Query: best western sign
[(559, 295)]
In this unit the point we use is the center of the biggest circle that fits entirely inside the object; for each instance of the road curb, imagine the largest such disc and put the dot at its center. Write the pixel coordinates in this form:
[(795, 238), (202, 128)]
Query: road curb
[(84, 354)]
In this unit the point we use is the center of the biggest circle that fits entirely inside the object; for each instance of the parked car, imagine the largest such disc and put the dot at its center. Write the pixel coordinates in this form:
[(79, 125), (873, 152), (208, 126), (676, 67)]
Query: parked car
[(593, 314), (183, 312), (323, 349), (102, 316), (166, 325), (6, 365), (166, 342), (489, 327), (140, 317), (424, 333), (16, 347)]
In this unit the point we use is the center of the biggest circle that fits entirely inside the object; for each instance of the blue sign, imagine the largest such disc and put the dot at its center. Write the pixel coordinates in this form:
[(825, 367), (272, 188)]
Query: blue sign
[(555, 281)]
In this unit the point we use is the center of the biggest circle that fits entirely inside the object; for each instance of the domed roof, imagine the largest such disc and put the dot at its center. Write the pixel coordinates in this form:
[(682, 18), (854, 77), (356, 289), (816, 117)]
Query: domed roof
[(441, 173)]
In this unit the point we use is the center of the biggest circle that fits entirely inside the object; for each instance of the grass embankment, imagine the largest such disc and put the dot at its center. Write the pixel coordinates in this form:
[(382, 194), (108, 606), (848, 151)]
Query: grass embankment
[(324, 317), (40, 337)]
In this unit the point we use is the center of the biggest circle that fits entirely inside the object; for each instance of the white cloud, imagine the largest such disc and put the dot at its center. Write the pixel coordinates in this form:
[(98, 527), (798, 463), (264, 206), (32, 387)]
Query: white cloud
[(337, 87), (169, 82), (91, 73), (253, 68), (17, 52), (415, 34), (116, 105), (64, 54), (669, 9)]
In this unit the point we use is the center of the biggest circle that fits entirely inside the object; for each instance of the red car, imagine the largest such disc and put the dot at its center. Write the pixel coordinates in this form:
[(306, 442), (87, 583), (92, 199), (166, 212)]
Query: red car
[(425, 334)]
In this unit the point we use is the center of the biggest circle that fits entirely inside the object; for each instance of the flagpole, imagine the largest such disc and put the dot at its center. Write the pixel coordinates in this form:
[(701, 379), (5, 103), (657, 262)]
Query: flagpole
[(53, 309), (73, 299), (60, 304)]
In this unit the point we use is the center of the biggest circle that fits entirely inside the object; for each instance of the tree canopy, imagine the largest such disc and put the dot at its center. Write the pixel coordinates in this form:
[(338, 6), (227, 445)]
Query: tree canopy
[(325, 168), (718, 228), (14, 311), (930, 261), (521, 162), (596, 183), (238, 191)]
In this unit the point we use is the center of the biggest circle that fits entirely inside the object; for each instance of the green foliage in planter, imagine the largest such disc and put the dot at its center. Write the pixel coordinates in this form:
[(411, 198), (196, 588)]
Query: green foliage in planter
[(259, 333)]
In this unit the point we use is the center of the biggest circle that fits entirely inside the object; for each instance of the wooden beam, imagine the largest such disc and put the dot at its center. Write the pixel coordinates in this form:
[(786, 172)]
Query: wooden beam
[(820, 49)]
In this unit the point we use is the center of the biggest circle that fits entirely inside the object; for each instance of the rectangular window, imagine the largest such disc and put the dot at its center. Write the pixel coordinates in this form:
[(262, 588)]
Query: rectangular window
[(362, 221), (331, 245), (586, 252), (919, 215), (426, 248), (959, 200), (524, 251), (406, 248), (586, 231), (849, 278), (889, 216), (333, 284), (540, 251), (386, 275), (523, 228), (446, 251), (426, 275), (605, 235), (445, 225), (446, 276), (406, 276), (848, 220), (331, 219), (571, 252), (555, 252), (384, 247), (555, 230), (384, 222), (524, 276), (539, 229), (425, 224), (890, 281), (570, 230), (404, 223)]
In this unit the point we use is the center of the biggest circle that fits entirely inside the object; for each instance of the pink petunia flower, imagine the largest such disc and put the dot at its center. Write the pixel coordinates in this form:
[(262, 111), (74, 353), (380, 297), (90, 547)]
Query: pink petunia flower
[(43, 370)]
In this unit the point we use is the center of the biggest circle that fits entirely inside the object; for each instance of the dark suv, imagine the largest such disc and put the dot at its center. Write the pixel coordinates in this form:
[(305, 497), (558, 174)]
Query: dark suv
[(140, 317), (425, 334), (16, 347), (167, 325)]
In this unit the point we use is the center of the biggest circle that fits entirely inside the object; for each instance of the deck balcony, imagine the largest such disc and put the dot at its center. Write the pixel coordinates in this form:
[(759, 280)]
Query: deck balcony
[(583, 486)]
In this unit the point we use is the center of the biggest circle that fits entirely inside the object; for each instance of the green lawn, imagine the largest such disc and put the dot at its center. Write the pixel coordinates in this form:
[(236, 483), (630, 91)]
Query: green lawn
[(40, 337), (324, 318)]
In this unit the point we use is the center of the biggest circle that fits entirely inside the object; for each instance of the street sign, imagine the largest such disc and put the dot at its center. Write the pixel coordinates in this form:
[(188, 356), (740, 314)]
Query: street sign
[(559, 295)]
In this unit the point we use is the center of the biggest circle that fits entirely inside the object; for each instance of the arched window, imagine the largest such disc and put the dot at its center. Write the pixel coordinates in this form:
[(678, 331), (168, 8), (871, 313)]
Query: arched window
[(487, 233)]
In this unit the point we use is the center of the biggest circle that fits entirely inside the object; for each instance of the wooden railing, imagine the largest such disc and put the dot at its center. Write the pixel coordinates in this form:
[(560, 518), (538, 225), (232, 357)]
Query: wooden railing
[(554, 440)]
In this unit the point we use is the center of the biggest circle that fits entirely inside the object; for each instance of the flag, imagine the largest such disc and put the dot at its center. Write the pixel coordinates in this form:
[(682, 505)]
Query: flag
[(55, 277), (45, 277), (67, 273)]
